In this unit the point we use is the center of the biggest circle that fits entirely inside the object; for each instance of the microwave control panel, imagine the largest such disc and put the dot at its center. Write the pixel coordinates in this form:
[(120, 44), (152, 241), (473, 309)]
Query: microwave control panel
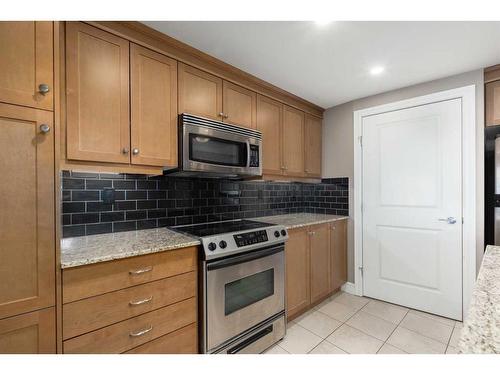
[(254, 156)]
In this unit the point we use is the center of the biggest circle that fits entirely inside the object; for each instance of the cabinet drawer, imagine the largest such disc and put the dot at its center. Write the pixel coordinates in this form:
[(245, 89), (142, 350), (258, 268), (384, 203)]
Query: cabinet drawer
[(95, 279), (131, 333), (96, 312), (182, 341)]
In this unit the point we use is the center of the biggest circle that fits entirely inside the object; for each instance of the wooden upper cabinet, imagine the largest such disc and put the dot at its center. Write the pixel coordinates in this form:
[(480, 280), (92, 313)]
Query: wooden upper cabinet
[(27, 244), (492, 97), (269, 122), (32, 333), (320, 262), (293, 141), (200, 93), (297, 272), (97, 95), (338, 245), (26, 62), (239, 105), (312, 142), (153, 108)]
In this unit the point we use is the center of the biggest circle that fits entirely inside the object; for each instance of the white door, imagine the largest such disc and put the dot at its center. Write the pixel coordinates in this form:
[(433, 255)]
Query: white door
[(412, 255)]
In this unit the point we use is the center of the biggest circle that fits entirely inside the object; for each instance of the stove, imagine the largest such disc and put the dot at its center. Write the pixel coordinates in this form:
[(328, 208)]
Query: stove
[(242, 284), (225, 238)]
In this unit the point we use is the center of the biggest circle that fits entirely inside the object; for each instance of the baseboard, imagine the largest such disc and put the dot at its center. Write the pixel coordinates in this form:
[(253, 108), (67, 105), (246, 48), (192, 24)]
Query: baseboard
[(348, 288)]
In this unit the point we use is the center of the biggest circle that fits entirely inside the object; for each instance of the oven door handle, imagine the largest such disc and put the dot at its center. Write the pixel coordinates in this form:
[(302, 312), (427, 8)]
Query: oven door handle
[(244, 258)]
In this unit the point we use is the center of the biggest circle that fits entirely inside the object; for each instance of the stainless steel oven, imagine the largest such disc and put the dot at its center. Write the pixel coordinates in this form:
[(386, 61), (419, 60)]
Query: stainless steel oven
[(215, 149), (244, 301)]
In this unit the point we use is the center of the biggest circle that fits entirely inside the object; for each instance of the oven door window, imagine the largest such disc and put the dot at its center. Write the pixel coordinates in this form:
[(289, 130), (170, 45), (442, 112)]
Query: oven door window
[(218, 151), (248, 290)]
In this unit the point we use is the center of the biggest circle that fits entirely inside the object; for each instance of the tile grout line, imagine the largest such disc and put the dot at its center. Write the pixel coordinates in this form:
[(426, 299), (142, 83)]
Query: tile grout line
[(388, 337)]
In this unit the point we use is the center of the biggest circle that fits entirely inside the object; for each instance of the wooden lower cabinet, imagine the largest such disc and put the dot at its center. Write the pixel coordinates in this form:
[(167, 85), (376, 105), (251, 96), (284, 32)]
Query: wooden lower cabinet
[(182, 341), (338, 251), (320, 261), (96, 312), (297, 271), (316, 264), (104, 277), (142, 304), (31, 333), (123, 336)]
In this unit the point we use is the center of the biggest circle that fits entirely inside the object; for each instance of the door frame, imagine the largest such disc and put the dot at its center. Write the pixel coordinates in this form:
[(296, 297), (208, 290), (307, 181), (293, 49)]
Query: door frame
[(467, 94)]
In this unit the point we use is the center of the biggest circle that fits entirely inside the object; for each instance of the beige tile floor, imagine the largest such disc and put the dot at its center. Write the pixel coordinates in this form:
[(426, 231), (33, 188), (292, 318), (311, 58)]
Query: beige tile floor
[(346, 323)]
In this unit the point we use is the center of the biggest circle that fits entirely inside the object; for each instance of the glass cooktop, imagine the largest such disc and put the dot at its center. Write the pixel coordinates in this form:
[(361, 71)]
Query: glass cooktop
[(210, 229)]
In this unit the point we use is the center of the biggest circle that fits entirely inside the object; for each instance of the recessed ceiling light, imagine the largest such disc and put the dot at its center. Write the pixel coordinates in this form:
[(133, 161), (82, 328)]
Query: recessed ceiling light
[(322, 23), (376, 70)]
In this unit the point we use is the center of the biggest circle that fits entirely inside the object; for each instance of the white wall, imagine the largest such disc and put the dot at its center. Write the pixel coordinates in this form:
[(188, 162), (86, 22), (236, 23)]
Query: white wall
[(338, 143)]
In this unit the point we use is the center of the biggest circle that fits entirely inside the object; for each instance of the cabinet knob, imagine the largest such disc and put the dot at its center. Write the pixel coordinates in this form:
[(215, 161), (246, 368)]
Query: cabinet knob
[(125, 150), (43, 88), (44, 128), (135, 151)]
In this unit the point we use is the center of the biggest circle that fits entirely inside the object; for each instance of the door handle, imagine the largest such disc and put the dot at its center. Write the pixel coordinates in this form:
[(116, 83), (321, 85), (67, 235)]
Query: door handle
[(449, 220)]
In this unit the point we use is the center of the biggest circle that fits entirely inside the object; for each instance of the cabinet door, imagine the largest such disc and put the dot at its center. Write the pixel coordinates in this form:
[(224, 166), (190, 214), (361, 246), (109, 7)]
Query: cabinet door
[(293, 141), (239, 105), (26, 63), (153, 108), (97, 95), (312, 143), (32, 333), (492, 96), (27, 247), (200, 93), (269, 122), (297, 272), (320, 262), (338, 243)]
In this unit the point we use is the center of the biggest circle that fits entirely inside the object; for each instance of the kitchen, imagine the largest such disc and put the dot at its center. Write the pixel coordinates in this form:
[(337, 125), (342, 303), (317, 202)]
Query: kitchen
[(172, 203)]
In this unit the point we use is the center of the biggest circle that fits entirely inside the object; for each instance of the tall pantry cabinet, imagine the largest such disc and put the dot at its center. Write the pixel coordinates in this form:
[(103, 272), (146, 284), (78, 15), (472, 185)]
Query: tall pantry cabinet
[(27, 191)]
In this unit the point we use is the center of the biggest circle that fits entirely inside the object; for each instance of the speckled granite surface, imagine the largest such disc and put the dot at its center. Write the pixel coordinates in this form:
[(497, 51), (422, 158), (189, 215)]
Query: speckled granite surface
[(481, 331), (79, 251), (298, 220)]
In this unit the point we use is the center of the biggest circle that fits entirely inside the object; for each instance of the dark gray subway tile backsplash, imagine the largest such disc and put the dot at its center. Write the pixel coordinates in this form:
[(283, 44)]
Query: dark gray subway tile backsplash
[(143, 202)]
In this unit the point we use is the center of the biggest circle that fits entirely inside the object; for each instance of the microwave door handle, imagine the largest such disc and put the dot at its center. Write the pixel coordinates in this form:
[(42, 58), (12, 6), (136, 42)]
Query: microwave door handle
[(248, 154)]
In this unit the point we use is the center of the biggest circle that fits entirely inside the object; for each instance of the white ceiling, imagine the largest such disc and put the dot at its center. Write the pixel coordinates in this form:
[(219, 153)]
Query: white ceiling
[(330, 64)]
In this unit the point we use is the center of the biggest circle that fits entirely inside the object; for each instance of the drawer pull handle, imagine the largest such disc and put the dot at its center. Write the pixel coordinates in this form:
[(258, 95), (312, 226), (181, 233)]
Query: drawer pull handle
[(142, 332), (140, 302), (142, 270)]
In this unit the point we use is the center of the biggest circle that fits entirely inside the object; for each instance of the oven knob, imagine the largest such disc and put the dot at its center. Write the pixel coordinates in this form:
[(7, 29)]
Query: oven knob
[(212, 246), (283, 232), (276, 233), (223, 244)]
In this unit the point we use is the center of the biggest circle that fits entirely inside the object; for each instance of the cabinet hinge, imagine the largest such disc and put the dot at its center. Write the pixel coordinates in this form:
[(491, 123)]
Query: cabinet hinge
[(360, 140), (361, 270)]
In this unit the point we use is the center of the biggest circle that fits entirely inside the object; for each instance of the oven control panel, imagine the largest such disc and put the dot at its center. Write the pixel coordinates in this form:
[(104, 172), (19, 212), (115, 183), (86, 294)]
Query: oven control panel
[(251, 238)]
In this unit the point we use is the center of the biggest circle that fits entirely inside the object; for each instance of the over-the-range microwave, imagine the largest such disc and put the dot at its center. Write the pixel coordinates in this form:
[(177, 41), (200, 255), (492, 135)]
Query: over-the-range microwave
[(209, 148)]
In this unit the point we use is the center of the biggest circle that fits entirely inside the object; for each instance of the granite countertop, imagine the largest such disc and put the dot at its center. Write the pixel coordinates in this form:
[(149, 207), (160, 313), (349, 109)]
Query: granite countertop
[(79, 251), (297, 220), (481, 331)]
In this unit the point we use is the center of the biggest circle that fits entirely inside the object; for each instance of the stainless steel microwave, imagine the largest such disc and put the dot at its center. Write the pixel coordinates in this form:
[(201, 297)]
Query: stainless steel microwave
[(209, 148)]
